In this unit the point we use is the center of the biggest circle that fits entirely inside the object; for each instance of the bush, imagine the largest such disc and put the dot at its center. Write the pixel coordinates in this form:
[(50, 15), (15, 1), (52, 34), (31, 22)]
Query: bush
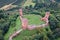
[(57, 32), (52, 23), (50, 36), (1, 35), (38, 37)]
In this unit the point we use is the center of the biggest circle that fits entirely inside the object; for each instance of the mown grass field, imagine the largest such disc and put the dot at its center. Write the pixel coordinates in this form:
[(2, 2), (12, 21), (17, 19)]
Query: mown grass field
[(33, 19)]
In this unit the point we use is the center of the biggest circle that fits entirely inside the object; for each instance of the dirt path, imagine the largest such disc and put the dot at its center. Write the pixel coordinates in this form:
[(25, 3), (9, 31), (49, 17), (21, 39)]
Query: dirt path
[(15, 34), (25, 24)]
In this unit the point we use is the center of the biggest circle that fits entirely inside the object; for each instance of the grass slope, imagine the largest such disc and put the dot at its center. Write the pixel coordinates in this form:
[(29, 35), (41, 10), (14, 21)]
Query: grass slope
[(28, 2)]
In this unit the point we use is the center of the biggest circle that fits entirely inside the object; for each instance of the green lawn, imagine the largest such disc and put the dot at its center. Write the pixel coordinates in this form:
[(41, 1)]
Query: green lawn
[(33, 19)]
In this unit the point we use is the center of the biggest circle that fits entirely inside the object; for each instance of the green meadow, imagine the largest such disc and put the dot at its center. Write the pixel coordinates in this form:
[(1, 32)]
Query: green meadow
[(33, 19)]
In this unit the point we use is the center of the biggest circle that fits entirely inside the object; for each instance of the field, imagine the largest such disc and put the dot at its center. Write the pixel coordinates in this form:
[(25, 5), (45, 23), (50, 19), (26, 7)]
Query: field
[(28, 2), (33, 19)]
